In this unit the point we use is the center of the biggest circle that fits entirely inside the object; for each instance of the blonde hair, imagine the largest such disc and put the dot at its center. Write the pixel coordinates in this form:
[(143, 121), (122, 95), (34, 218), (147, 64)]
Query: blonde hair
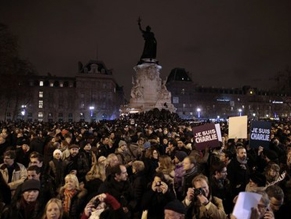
[(138, 165), (74, 178), (199, 178), (165, 163), (59, 204)]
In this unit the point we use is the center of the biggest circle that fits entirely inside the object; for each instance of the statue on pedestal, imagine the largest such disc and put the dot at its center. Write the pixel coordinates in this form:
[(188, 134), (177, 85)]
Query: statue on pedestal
[(150, 45)]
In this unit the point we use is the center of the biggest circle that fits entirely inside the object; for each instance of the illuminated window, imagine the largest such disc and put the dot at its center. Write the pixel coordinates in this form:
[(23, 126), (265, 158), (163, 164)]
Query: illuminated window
[(40, 114), (41, 83), (40, 104), (40, 94)]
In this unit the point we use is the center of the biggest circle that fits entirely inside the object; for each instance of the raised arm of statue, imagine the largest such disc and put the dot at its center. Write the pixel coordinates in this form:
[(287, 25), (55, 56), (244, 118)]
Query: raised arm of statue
[(139, 25)]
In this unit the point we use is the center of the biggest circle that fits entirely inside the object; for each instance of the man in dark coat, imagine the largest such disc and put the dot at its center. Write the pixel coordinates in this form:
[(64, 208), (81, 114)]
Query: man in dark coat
[(117, 185), (238, 171)]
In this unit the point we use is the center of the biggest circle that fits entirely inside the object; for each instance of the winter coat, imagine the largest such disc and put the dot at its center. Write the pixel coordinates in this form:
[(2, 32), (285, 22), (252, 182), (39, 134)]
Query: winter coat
[(77, 202), (19, 174)]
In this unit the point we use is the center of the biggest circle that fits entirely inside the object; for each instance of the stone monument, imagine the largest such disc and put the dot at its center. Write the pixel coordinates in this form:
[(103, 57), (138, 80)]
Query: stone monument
[(148, 90)]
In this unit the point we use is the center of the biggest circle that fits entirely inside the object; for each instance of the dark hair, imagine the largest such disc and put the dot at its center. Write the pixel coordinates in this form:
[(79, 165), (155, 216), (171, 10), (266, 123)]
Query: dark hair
[(217, 167), (275, 191), (37, 155), (227, 153), (34, 168), (173, 142), (10, 153), (116, 169)]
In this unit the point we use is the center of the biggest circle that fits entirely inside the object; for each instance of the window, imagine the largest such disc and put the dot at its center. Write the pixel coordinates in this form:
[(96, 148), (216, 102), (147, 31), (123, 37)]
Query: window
[(41, 83), (40, 104), (175, 99), (40, 94)]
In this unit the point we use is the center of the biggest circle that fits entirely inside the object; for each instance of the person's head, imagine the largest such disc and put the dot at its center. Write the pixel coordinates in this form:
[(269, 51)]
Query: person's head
[(112, 160), (276, 196), (257, 180), (36, 159), (57, 154), (272, 172), (201, 182), (87, 146), (241, 153), (25, 147), (64, 145), (219, 170), (53, 209), (165, 162), (137, 166), (30, 190), (155, 154), (119, 172), (174, 210), (179, 156), (33, 172), (189, 162), (9, 157), (71, 182), (102, 161), (74, 149), (180, 144), (105, 140), (122, 145), (264, 203), (172, 144), (225, 156)]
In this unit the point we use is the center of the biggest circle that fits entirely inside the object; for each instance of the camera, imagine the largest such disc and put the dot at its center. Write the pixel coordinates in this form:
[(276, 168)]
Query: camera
[(198, 191), (96, 202)]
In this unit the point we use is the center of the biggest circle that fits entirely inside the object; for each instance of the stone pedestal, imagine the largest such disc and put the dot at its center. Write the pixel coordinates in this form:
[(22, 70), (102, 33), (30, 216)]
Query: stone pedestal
[(148, 90)]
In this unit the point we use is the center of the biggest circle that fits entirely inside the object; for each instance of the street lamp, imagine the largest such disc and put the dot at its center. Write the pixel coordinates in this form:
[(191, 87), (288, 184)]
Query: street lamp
[(23, 111), (198, 112), (239, 110), (91, 108)]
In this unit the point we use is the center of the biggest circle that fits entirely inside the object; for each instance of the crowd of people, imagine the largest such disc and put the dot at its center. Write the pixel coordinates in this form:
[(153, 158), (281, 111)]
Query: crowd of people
[(136, 167)]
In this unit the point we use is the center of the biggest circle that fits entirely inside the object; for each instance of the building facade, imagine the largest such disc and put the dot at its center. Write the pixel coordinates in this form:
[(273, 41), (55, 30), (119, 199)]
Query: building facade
[(91, 95), (198, 102)]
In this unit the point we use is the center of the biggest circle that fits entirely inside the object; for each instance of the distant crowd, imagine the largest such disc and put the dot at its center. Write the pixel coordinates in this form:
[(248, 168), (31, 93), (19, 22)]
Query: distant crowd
[(139, 166)]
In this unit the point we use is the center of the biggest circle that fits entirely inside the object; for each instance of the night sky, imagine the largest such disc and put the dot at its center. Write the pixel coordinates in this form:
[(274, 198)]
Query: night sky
[(222, 43)]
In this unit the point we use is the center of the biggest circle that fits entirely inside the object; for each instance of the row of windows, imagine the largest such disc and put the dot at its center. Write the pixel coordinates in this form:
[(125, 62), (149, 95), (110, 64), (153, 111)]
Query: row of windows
[(54, 84), (229, 91)]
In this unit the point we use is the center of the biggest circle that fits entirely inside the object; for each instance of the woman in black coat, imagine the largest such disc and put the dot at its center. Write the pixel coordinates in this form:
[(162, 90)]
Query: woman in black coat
[(156, 197)]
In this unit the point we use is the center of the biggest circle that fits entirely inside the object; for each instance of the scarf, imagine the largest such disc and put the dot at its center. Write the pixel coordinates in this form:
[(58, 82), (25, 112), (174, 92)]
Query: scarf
[(68, 194), (28, 208)]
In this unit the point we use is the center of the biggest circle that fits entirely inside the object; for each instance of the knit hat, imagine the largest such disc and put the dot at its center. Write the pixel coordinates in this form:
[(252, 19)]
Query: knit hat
[(30, 184), (57, 151), (176, 206), (259, 179), (121, 142), (74, 146), (146, 145), (180, 155)]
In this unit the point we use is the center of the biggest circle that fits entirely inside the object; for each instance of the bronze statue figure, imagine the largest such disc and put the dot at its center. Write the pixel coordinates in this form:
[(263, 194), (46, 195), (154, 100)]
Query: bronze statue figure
[(150, 45)]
